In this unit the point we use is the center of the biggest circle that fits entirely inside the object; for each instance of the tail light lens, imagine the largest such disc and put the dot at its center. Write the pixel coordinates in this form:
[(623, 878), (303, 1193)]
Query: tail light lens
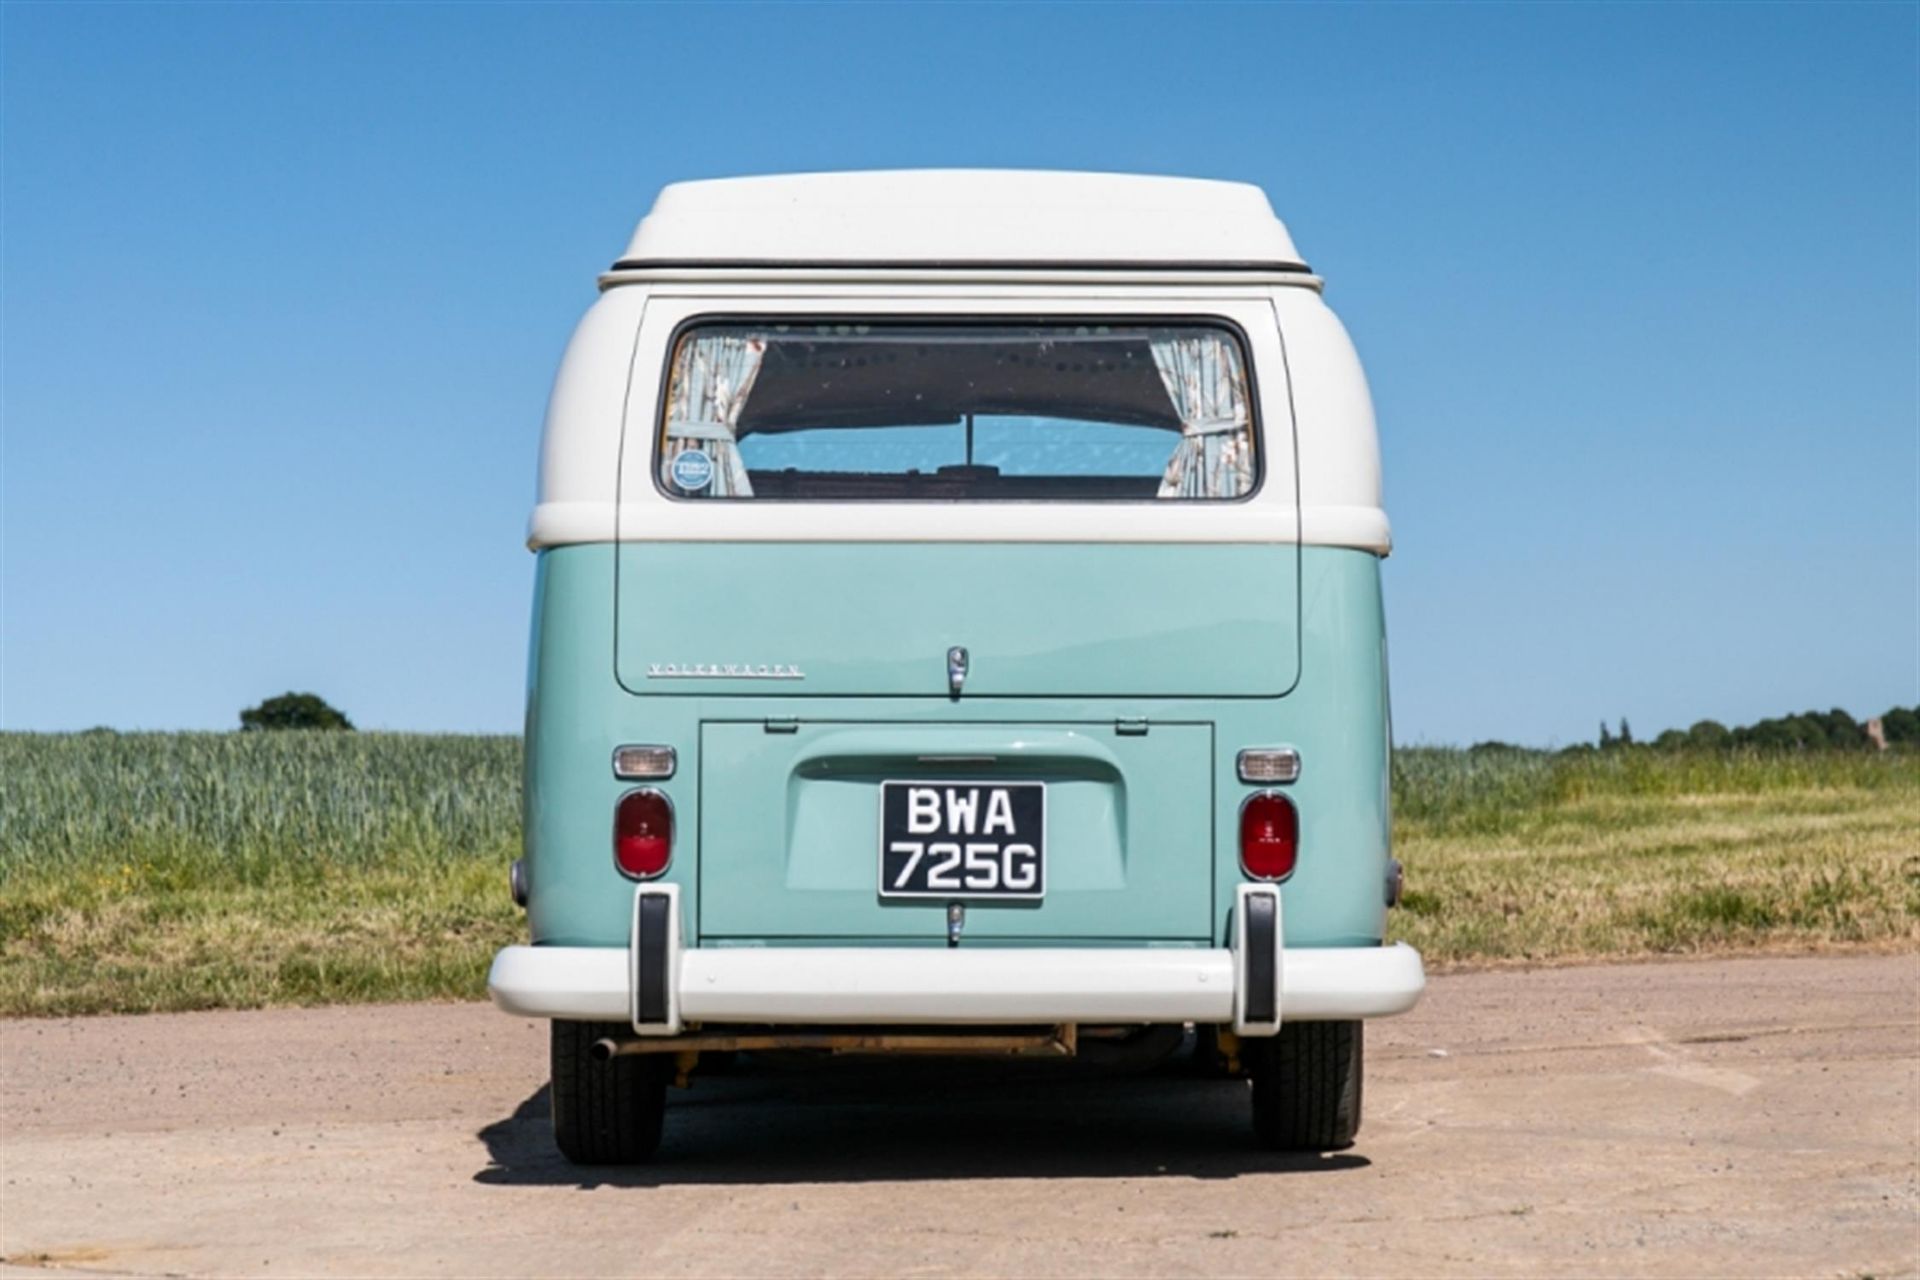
[(1269, 764), (646, 762), (643, 833), (1269, 836)]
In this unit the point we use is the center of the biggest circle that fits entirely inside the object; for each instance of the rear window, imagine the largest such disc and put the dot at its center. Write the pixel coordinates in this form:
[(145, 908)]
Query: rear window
[(876, 411)]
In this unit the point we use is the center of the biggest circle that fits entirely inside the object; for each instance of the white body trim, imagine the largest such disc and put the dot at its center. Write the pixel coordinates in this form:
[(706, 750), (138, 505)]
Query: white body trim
[(962, 216), (596, 474), (561, 523), (787, 274), (967, 985), (831, 245)]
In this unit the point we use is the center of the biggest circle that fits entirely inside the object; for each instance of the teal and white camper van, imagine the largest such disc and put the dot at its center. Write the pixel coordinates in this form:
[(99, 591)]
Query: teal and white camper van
[(957, 629)]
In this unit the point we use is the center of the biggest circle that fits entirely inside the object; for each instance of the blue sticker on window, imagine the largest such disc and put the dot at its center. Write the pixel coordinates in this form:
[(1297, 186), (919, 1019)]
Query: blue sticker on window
[(693, 470)]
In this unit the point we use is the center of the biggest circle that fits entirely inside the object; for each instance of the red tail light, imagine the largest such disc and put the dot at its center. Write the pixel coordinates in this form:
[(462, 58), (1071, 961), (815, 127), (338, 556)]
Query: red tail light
[(643, 833), (1269, 836)]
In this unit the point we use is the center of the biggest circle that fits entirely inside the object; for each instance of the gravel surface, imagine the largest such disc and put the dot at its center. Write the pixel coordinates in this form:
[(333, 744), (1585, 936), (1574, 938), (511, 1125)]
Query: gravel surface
[(1728, 1117)]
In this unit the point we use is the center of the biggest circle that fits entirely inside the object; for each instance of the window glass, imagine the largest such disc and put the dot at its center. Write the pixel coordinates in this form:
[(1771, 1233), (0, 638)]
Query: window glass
[(873, 411)]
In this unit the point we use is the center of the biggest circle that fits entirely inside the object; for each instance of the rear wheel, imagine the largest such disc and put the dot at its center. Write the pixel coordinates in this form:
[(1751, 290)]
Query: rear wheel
[(1306, 1086), (605, 1112)]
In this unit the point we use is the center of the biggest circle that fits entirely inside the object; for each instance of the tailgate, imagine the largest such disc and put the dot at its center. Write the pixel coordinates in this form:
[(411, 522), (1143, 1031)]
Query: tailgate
[(1040, 620)]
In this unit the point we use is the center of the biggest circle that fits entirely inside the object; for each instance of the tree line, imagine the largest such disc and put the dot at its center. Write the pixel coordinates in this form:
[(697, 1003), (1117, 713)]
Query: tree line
[(1809, 730), (1806, 731)]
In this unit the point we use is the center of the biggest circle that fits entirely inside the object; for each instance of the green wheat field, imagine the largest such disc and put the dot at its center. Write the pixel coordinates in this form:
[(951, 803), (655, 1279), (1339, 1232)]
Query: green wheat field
[(186, 871)]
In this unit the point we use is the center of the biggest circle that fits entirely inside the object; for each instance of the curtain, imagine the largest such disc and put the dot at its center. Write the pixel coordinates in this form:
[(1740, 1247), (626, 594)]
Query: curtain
[(1201, 372), (711, 378)]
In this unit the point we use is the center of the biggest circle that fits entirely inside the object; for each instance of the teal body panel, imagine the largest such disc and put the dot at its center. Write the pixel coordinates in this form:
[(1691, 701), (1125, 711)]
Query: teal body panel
[(789, 836), (1334, 714), (1040, 620)]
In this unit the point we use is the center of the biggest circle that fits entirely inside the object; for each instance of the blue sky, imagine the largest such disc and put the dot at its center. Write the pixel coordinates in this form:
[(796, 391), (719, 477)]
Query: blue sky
[(284, 288)]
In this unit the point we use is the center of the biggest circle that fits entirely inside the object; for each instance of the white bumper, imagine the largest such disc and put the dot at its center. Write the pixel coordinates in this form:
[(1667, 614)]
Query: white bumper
[(965, 985), (924, 985)]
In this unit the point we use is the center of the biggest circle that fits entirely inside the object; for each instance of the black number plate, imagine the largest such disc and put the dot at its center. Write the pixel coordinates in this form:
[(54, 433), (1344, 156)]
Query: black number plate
[(963, 839)]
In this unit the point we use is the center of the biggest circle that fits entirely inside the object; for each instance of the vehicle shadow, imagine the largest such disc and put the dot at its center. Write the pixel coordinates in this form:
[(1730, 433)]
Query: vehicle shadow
[(907, 1120)]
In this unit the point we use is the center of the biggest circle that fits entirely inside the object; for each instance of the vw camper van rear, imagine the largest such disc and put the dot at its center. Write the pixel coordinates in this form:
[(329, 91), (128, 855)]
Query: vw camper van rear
[(957, 630)]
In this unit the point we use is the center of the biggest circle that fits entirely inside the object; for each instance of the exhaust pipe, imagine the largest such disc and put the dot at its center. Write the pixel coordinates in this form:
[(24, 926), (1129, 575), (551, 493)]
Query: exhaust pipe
[(1057, 1042)]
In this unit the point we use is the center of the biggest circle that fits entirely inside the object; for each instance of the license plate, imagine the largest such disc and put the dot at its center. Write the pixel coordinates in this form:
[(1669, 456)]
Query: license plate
[(963, 839)]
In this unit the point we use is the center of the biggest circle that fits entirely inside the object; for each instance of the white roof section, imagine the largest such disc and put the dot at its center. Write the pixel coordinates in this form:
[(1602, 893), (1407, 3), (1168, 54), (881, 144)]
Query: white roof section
[(963, 217), (598, 454)]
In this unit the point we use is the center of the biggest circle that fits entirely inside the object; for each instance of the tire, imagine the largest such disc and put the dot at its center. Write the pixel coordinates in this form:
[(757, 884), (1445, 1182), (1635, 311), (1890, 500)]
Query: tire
[(605, 1112), (1306, 1086)]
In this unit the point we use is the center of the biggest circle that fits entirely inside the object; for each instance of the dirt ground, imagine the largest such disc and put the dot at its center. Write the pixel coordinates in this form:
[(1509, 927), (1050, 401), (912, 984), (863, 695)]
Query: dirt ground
[(1733, 1117)]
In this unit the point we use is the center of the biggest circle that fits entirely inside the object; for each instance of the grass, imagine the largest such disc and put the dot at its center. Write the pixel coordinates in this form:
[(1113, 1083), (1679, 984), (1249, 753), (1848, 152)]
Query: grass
[(1536, 858), (177, 871)]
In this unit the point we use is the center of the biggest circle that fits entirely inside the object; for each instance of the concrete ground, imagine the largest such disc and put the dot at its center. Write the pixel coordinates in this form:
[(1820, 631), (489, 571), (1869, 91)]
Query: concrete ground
[(1730, 1117)]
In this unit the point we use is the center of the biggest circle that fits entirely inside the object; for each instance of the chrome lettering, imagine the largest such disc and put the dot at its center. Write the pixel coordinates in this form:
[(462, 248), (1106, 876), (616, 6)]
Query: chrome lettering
[(724, 671)]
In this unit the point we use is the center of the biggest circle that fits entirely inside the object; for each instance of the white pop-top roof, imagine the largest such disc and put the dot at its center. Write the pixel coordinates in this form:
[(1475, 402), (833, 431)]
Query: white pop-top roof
[(963, 217)]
